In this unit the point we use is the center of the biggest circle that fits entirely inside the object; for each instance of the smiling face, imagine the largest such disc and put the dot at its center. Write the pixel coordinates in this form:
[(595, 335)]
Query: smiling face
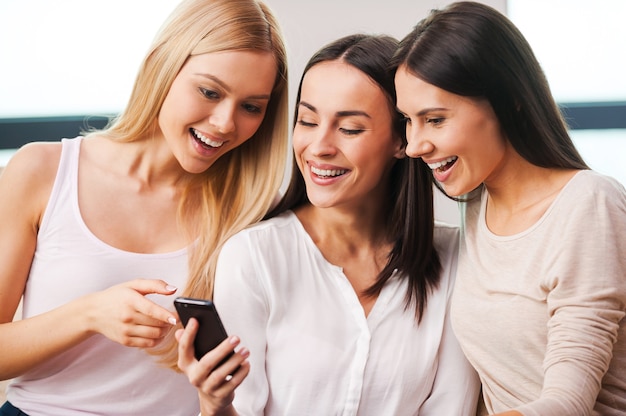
[(458, 137), (216, 102), (343, 139)]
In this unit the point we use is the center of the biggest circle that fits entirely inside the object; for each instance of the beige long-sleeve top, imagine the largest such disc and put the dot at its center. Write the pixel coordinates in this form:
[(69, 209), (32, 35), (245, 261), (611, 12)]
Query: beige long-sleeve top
[(540, 314)]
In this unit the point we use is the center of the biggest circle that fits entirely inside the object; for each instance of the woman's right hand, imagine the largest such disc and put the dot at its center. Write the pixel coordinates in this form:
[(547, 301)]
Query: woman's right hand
[(123, 314), (216, 387)]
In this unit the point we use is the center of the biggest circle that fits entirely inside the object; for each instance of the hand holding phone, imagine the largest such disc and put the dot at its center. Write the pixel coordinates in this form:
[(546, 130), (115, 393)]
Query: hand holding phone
[(211, 332)]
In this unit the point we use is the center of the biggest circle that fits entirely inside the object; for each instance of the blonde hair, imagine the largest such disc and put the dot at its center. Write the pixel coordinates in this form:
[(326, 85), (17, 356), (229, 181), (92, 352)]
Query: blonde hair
[(239, 188)]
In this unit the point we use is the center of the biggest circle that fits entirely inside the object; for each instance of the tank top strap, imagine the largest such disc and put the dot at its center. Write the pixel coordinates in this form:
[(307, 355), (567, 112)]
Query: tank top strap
[(66, 179)]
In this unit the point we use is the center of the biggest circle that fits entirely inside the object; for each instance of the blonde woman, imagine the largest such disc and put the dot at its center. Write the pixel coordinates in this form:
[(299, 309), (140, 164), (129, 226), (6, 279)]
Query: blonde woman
[(100, 232)]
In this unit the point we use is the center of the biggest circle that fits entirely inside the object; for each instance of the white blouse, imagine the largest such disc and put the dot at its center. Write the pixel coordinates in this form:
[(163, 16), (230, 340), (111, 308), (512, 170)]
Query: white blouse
[(312, 349)]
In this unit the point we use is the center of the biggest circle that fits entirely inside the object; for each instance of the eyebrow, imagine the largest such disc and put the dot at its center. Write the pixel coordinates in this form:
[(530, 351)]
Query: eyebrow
[(227, 88), (346, 113), (430, 110)]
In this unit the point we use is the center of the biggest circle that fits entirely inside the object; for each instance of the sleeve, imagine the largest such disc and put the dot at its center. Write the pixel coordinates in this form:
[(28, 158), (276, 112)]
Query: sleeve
[(586, 302), (240, 298), (456, 386)]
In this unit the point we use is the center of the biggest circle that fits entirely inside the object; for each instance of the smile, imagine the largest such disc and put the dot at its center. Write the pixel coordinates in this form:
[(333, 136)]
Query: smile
[(327, 173), (204, 139), (444, 164)]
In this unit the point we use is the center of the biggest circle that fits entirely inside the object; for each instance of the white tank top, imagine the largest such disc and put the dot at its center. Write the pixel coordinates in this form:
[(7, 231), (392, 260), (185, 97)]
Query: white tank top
[(98, 376)]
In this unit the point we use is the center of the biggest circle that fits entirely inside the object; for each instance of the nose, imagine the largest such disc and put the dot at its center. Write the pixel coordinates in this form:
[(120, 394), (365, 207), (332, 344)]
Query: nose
[(223, 117), (417, 146), (322, 142)]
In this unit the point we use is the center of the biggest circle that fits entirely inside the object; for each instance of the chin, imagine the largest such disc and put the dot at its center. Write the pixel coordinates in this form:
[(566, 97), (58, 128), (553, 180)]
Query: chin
[(321, 203), (453, 191), (197, 169)]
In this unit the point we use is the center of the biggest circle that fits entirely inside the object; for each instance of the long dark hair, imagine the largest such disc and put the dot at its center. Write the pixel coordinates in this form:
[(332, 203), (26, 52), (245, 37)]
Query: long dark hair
[(471, 49), (411, 222)]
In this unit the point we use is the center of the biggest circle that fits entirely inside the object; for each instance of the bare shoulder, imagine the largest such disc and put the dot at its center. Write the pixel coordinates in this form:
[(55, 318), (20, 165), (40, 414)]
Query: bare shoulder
[(31, 171), (36, 158)]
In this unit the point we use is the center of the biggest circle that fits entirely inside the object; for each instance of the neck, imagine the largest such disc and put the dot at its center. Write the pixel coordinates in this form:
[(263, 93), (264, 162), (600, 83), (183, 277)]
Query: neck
[(519, 199), (360, 228)]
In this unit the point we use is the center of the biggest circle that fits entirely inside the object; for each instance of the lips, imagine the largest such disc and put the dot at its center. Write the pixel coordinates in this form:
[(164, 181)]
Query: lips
[(327, 173), (443, 165), (205, 140)]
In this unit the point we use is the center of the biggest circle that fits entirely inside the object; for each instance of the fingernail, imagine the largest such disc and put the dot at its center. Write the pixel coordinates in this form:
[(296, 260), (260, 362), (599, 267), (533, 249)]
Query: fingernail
[(171, 320), (244, 352), (170, 288), (233, 340)]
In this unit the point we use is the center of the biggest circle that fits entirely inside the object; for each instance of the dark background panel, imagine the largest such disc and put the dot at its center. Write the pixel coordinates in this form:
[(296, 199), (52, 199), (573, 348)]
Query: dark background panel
[(593, 116), (14, 132)]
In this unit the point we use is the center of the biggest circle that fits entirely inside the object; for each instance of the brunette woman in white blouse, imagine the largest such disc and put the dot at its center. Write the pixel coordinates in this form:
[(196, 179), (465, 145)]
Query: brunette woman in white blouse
[(341, 298)]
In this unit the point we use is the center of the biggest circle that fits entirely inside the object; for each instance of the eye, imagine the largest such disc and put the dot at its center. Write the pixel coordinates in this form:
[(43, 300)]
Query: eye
[(252, 109), (351, 132), (305, 123), (435, 120), (210, 94)]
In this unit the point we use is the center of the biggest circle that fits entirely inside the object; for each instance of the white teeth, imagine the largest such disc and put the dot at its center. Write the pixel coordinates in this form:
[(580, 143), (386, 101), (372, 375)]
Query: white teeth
[(437, 165), (206, 140), (327, 172)]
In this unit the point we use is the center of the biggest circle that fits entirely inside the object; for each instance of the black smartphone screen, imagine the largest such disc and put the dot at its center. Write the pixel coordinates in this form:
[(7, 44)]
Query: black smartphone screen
[(210, 332)]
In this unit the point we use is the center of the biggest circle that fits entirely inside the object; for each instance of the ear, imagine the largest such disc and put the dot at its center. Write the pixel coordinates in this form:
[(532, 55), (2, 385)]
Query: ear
[(400, 152)]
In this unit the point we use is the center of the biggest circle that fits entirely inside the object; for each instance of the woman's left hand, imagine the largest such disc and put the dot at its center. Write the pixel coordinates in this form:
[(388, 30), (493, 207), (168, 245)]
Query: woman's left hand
[(216, 386)]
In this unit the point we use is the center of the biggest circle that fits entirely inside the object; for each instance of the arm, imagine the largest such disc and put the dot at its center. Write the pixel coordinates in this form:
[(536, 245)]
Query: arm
[(586, 302), (121, 313), (240, 301)]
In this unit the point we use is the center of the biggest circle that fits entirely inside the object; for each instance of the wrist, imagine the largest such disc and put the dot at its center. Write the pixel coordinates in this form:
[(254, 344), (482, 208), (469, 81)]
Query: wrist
[(211, 411)]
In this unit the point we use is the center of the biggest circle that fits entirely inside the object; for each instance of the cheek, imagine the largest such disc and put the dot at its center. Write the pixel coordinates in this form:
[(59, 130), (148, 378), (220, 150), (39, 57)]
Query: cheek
[(175, 97), (493, 143), (246, 127), (298, 142), (177, 109), (164, 118)]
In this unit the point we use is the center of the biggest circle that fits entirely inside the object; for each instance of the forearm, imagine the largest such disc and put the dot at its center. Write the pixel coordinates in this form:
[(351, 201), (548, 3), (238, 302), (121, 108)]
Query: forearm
[(27, 343)]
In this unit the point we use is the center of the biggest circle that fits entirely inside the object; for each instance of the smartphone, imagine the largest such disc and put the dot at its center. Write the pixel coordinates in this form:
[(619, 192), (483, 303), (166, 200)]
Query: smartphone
[(211, 332)]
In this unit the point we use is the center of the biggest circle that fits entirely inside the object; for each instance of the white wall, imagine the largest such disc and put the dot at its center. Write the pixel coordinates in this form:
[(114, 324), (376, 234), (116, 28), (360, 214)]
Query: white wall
[(310, 24)]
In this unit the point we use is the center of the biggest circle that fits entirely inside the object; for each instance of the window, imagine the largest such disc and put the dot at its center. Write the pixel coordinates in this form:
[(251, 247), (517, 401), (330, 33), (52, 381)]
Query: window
[(580, 45), (52, 49)]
